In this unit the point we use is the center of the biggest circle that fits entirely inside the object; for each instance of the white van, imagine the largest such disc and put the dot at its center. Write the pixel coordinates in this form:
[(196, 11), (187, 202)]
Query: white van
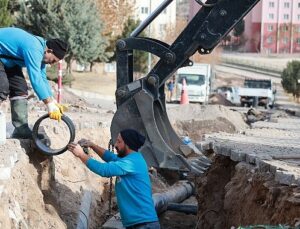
[(197, 78)]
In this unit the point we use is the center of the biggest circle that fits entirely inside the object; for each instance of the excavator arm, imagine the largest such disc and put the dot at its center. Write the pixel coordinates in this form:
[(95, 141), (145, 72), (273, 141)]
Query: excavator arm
[(141, 103)]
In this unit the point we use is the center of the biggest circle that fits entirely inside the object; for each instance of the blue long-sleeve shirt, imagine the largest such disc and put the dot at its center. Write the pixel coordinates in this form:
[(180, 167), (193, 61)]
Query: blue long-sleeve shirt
[(133, 187), (30, 49)]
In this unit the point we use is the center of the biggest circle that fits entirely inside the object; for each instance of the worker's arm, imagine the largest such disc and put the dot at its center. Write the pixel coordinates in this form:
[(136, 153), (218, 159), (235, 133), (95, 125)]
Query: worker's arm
[(37, 75), (36, 71), (110, 169), (114, 168), (103, 153)]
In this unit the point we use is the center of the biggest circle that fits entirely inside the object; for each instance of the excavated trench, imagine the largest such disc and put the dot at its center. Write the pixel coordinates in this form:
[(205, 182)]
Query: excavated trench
[(231, 193), (236, 194)]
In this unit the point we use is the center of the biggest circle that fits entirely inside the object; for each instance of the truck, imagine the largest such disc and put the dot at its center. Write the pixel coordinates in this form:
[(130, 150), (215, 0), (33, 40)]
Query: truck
[(197, 79), (257, 92)]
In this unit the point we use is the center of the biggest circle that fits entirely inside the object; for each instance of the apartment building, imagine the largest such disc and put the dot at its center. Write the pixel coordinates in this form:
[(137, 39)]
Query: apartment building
[(273, 26), (162, 23)]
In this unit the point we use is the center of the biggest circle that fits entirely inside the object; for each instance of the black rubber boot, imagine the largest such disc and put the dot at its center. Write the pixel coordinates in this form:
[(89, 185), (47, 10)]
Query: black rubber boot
[(19, 116)]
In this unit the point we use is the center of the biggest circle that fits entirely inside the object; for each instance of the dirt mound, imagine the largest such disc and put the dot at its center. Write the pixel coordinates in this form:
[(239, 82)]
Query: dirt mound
[(233, 195), (22, 203), (219, 99), (195, 120)]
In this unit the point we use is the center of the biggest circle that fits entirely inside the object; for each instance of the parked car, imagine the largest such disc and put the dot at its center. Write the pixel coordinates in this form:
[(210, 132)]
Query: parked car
[(230, 93)]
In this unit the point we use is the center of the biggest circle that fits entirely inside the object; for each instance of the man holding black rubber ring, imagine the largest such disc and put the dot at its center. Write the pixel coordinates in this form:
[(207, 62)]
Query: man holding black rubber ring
[(18, 49)]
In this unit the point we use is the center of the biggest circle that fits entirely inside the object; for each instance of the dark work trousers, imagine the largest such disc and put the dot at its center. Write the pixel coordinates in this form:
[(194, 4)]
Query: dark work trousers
[(12, 82)]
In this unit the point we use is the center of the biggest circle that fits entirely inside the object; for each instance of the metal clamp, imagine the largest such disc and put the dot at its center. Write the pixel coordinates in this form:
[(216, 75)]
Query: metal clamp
[(42, 146)]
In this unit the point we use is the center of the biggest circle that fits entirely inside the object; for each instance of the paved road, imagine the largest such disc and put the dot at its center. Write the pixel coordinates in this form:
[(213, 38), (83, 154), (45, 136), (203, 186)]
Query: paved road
[(102, 101), (246, 74), (283, 101)]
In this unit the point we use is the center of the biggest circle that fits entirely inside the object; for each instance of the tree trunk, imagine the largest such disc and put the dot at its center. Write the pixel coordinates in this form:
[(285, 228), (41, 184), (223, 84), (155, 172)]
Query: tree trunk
[(69, 67), (91, 66)]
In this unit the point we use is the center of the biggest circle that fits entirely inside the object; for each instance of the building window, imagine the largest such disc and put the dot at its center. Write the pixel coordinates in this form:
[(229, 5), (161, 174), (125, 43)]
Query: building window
[(286, 51), (285, 40), (286, 17), (285, 28), (270, 28), (286, 5), (271, 16), (270, 40), (271, 4), (298, 41), (298, 4), (298, 16), (144, 10), (298, 29)]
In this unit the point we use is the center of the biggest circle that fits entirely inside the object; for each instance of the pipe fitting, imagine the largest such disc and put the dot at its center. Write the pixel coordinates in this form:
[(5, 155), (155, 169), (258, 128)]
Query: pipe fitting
[(40, 144)]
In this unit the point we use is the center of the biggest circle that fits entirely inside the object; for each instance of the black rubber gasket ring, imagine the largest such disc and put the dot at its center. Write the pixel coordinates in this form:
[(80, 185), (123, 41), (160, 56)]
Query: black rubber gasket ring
[(41, 146)]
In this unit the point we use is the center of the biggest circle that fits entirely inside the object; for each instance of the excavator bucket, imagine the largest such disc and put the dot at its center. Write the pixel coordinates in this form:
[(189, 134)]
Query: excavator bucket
[(141, 103)]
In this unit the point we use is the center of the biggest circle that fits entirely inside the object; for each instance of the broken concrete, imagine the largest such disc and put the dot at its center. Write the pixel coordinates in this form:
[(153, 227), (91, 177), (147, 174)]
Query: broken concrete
[(261, 144)]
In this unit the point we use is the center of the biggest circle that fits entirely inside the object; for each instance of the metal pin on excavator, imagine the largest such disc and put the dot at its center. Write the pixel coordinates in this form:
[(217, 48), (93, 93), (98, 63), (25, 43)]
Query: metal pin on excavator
[(141, 103)]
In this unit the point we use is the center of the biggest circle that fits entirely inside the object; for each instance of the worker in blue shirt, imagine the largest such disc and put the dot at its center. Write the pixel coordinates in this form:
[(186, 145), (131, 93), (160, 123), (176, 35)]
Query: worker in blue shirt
[(18, 49), (132, 186)]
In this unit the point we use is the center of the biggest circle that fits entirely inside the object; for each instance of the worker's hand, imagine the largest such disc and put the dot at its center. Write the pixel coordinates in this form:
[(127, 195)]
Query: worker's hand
[(85, 143), (78, 152), (55, 110), (76, 149), (62, 107)]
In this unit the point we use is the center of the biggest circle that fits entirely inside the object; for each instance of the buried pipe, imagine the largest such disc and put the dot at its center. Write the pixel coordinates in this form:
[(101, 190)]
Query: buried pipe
[(84, 211), (185, 208), (176, 194)]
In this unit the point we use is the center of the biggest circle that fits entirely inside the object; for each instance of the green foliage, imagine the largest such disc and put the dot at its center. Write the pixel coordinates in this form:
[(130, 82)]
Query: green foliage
[(52, 74), (5, 14), (139, 57), (290, 77), (41, 17), (84, 32), (76, 22)]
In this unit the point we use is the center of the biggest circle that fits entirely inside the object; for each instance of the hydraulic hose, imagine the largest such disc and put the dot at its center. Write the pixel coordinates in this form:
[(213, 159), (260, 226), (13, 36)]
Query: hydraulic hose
[(40, 144)]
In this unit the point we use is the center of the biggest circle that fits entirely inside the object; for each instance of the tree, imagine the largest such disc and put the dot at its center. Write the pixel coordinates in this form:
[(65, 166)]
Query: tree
[(290, 77), (112, 13), (140, 58), (84, 32), (5, 14), (76, 22)]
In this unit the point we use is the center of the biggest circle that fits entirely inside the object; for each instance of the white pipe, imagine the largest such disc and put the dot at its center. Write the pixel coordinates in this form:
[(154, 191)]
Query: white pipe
[(84, 211)]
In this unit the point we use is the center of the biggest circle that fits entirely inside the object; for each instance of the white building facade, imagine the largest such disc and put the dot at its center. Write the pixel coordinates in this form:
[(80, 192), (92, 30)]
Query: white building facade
[(159, 27)]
